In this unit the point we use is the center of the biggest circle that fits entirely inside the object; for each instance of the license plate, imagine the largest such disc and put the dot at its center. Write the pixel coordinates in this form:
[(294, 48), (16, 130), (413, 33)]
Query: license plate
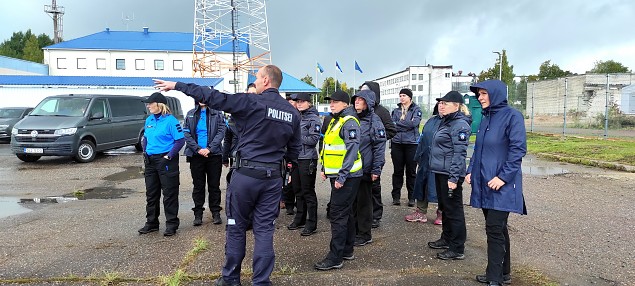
[(34, 150)]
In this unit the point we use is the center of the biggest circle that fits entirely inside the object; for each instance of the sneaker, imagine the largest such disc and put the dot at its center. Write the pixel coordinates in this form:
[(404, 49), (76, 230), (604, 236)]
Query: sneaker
[(216, 218), (417, 216), (327, 264), (308, 232), (411, 203), (438, 244), (450, 255), (348, 257), (507, 278), (362, 241), (439, 219), (376, 223), (148, 229)]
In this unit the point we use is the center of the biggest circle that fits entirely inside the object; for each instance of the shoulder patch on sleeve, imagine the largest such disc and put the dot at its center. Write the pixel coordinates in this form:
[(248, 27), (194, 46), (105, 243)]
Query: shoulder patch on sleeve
[(462, 135), (419, 113), (352, 134), (179, 128), (381, 133), (318, 128)]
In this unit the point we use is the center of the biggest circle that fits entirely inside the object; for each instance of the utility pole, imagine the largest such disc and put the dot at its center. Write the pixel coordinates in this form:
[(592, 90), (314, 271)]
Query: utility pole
[(500, 65), (56, 12)]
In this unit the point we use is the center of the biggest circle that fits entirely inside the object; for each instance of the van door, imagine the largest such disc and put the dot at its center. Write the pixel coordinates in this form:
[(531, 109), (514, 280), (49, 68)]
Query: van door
[(99, 123), (128, 117)]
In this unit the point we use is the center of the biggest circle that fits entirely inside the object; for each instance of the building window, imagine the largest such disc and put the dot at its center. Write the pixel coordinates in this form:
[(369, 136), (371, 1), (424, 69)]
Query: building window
[(61, 63), (421, 87), (81, 63), (177, 65), (101, 64), (420, 76), (414, 87), (140, 64), (158, 65), (120, 64), (447, 74)]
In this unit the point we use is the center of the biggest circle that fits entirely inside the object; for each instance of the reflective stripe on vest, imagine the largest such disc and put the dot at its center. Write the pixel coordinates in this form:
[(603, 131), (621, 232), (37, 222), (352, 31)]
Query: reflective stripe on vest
[(334, 149)]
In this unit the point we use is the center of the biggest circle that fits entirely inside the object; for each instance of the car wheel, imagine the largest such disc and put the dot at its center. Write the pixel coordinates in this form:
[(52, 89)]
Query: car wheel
[(85, 152), (138, 145), (28, 158)]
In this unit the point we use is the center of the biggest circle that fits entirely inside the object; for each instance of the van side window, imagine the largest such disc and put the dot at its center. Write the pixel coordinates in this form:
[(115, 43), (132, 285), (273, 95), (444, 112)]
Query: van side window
[(124, 106), (99, 105)]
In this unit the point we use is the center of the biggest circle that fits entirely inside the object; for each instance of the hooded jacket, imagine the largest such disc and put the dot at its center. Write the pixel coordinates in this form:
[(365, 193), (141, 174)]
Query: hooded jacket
[(230, 142), (407, 129), (310, 127), (449, 146), (501, 144), (215, 131), (381, 111), (425, 178), (372, 146), (350, 134)]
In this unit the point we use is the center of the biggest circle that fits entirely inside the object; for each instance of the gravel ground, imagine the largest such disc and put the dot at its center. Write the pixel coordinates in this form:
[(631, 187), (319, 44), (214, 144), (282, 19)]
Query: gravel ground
[(578, 232)]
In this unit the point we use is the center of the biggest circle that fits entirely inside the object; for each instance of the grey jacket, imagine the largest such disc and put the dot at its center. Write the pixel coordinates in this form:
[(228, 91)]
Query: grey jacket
[(372, 146), (350, 134), (407, 129), (215, 131), (310, 126), (449, 146)]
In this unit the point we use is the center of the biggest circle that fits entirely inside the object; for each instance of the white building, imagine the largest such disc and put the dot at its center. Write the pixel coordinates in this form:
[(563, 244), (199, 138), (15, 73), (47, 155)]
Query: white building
[(426, 82)]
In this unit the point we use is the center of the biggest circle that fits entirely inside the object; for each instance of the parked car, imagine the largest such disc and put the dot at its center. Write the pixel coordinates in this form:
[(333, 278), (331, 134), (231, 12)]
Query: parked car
[(9, 116), (79, 125)]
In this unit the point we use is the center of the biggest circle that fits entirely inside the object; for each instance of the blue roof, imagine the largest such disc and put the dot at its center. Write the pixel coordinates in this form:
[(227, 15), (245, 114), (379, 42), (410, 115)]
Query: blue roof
[(24, 66), (291, 84), (97, 80), (142, 41)]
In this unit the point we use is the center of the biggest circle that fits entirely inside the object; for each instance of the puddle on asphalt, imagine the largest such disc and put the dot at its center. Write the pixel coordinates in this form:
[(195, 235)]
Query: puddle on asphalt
[(128, 174), (100, 193), (121, 151), (543, 171), (11, 206)]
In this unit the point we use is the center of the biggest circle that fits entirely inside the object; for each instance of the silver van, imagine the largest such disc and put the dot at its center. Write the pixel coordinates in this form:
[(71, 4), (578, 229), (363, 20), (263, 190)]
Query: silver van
[(79, 125)]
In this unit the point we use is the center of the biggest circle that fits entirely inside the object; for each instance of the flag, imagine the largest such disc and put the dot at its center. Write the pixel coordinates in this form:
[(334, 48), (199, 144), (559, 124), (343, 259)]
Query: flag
[(338, 67), (357, 68), (319, 68)]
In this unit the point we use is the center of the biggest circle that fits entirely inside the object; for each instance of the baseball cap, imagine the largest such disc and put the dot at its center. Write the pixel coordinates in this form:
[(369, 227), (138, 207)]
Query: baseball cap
[(156, 97), (340, 96)]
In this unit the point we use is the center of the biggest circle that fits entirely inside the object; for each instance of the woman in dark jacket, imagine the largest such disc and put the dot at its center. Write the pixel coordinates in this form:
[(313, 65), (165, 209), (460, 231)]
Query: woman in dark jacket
[(425, 189), (496, 176), (447, 162), (304, 174), (407, 117)]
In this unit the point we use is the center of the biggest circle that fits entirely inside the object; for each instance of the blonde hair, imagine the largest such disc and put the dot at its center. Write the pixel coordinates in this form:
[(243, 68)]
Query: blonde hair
[(464, 109), (163, 108)]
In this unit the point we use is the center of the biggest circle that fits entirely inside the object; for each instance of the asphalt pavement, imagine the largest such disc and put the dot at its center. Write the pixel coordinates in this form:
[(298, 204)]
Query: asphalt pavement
[(578, 232)]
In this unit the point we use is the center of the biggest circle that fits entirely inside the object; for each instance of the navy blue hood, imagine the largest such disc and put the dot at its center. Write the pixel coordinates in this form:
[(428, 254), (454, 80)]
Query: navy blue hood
[(368, 96), (497, 91)]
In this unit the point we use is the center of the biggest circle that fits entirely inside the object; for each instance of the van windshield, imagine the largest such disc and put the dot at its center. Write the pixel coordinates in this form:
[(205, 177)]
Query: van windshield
[(61, 106)]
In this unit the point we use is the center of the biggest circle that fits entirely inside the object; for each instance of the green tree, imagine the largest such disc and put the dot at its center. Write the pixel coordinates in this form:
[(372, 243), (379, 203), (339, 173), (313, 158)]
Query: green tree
[(548, 70), (15, 46), (32, 51), (328, 88), (493, 72), (308, 79), (609, 66)]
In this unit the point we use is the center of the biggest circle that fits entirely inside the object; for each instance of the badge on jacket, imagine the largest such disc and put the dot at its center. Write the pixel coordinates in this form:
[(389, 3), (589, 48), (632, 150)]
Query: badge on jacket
[(462, 136), (352, 134), (318, 128), (381, 133)]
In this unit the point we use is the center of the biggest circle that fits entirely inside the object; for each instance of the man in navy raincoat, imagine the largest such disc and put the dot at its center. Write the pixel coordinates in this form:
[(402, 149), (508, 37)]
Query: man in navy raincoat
[(495, 174)]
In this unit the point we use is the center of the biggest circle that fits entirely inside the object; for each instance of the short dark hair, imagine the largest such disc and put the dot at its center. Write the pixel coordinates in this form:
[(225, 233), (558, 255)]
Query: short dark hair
[(274, 74)]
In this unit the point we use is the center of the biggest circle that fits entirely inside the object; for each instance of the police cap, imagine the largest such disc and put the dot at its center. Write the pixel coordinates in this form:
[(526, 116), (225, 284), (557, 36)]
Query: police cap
[(156, 97)]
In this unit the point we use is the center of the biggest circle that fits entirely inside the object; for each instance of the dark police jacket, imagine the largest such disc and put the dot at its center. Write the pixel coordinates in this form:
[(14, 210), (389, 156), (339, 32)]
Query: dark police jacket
[(310, 127), (267, 125), (372, 145), (215, 131), (407, 129), (449, 146), (230, 142)]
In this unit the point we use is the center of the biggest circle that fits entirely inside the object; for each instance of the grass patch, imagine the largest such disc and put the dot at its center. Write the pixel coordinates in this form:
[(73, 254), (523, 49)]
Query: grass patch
[(200, 245), (587, 151), (531, 276), (79, 194)]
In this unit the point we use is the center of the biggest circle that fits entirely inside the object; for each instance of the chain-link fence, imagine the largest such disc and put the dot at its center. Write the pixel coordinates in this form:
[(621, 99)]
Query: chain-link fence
[(601, 105)]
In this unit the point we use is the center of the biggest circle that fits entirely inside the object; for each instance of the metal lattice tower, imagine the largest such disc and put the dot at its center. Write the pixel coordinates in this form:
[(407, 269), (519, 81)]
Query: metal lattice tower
[(56, 12), (219, 24)]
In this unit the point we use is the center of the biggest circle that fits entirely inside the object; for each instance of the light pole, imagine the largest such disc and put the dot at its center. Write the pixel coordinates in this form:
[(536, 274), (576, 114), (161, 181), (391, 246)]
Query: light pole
[(500, 64)]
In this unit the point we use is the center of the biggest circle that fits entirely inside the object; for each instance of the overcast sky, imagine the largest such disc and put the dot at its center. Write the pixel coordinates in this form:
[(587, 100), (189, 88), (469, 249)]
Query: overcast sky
[(383, 36)]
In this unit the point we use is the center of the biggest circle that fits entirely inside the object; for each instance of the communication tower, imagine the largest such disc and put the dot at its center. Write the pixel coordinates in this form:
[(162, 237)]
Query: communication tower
[(56, 12)]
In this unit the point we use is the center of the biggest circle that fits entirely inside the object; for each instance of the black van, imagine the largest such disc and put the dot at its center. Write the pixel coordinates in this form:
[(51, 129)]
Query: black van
[(79, 125)]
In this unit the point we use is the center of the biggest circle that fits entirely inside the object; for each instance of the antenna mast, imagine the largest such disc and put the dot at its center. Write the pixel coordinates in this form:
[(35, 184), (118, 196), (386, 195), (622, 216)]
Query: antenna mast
[(56, 12)]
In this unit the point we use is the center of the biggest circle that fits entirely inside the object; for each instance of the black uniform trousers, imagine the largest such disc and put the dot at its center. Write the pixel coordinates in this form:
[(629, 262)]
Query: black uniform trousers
[(403, 156), (206, 169), (454, 229), (363, 208), (303, 181), (342, 221), (378, 206), (498, 255), (162, 175)]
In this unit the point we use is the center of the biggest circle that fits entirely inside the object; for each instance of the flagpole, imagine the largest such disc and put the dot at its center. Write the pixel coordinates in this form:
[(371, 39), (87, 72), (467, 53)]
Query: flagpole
[(316, 83), (336, 75), (354, 80)]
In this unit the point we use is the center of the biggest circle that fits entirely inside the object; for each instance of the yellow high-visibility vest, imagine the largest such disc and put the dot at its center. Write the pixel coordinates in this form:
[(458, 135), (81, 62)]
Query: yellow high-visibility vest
[(334, 148)]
